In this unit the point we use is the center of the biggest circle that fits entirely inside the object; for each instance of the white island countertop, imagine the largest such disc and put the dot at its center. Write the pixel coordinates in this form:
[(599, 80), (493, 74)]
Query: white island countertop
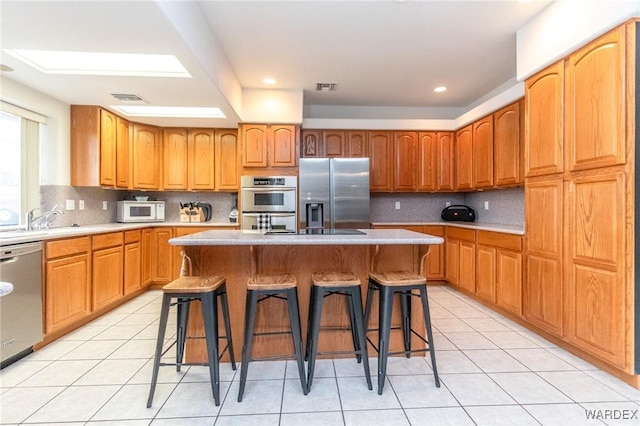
[(367, 237)]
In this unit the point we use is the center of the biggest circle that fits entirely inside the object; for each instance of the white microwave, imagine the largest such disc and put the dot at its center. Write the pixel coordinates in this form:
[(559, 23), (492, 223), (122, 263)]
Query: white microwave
[(140, 211)]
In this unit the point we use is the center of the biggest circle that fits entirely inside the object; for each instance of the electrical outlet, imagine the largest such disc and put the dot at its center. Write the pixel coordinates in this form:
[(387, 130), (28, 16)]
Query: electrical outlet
[(71, 205), (397, 205), (447, 204), (80, 204), (104, 205), (486, 205)]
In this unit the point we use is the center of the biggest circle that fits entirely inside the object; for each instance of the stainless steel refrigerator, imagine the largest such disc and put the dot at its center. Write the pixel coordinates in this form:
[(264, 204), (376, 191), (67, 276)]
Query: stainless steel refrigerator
[(334, 194)]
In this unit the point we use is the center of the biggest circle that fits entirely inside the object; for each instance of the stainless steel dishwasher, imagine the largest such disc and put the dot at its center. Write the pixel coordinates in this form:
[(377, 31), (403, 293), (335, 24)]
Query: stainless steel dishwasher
[(20, 310)]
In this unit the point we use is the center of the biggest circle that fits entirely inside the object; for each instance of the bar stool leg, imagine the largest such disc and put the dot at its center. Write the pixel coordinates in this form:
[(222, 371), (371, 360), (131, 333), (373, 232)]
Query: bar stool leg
[(386, 305), (405, 308), (427, 322), (249, 320), (371, 287), (162, 328), (310, 323), (181, 332), (358, 324), (227, 323), (210, 314), (315, 309), (352, 320), (294, 318)]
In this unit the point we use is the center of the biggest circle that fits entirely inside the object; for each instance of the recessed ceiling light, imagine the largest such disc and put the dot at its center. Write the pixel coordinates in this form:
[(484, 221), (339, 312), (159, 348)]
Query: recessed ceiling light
[(101, 63), (440, 89), (169, 111), (269, 81)]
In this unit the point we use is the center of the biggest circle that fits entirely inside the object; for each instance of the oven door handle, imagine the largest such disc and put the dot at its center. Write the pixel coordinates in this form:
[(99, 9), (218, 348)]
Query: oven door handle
[(284, 189), (269, 213)]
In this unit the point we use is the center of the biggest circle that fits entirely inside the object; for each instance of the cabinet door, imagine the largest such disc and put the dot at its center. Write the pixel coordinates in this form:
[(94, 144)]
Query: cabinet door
[(147, 157), (132, 267), (146, 274), (486, 273), (506, 145), (123, 150), (509, 280), (380, 161), (445, 165), (201, 159), (311, 144), (482, 142), (405, 146), (543, 139), (175, 148), (161, 255), (452, 250), (543, 300), (334, 143), (357, 144), (108, 131), (282, 145), (254, 145), (427, 161), (67, 291), (85, 145), (227, 170), (107, 276), (467, 264), (435, 258), (464, 158), (595, 103), (596, 306)]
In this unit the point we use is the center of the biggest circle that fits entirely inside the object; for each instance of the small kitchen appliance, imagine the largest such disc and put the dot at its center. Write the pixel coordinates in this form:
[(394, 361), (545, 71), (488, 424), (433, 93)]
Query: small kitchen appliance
[(458, 212), (268, 203), (140, 211)]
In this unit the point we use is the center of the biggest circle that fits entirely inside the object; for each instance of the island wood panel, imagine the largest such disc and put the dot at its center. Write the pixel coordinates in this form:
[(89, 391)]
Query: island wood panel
[(237, 263)]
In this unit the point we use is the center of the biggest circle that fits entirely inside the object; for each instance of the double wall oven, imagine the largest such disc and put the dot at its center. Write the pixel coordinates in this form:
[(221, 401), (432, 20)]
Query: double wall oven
[(269, 203)]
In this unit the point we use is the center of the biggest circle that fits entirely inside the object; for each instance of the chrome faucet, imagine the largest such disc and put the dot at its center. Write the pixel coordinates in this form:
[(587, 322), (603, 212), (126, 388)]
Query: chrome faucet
[(35, 222)]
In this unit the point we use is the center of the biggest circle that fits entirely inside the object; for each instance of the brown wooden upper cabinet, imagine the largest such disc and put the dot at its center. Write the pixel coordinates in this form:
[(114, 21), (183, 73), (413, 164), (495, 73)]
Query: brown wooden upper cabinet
[(201, 159), (507, 140), (269, 145), (482, 157), (445, 161), (99, 148), (175, 159), (334, 143), (595, 103), (357, 143), (147, 157), (464, 157), (405, 147), (381, 161), (428, 161), (227, 170), (543, 122)]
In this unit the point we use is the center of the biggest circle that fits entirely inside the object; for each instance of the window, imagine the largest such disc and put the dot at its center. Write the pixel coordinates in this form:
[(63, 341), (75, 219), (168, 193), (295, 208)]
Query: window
[(19, 167)]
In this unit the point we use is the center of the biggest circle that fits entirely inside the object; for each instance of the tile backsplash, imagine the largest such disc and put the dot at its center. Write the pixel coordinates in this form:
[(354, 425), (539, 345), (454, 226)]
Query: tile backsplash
[(93, 213)]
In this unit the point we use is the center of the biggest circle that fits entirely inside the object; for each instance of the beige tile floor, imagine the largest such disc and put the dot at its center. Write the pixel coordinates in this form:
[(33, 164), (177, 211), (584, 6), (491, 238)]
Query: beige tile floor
[(493, 372)]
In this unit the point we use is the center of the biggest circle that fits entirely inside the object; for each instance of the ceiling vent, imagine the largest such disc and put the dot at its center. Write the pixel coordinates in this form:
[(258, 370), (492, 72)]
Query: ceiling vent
[(326, 87), (129, 98)]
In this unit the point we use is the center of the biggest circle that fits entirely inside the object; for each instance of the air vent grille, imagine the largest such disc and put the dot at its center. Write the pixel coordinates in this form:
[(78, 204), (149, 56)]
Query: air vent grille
[(326, 87), (130, 98)]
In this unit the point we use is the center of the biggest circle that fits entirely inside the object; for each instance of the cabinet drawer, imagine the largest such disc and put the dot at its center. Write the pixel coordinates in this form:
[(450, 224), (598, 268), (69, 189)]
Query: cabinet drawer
[(498, 239), (107, 240), (67, 247), (461, 233), (131, 236)]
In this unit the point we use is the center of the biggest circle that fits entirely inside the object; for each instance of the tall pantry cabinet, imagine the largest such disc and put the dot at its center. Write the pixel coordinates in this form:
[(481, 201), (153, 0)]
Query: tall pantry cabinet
[(579, 197)]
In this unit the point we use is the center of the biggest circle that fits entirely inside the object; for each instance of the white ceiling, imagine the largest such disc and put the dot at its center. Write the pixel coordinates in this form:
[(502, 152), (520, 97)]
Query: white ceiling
[(381, 53)]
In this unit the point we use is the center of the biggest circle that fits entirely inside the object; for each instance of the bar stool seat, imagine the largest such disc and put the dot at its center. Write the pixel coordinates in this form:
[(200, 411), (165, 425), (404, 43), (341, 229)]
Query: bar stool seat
[(261, 287), (403, 283), (184, 290), (325, 284)]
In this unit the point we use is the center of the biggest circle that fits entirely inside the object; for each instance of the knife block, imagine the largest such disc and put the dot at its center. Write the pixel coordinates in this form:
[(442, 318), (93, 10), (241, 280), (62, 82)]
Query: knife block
[(195, 215)]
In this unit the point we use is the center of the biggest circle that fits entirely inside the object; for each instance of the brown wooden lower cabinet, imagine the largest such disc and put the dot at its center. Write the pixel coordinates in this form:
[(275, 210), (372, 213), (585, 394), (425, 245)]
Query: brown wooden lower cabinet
[(461, 258), (67, 282), (107, 269), (162, 270), (145, 266), (132, 275)]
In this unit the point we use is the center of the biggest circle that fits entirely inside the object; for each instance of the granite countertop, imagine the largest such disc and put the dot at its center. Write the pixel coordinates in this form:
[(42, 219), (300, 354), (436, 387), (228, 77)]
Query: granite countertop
[(367, 237), (479, 226), (15, 237)]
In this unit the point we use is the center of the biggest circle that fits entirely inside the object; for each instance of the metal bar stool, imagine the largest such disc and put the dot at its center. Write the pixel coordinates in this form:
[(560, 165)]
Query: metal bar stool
[(326, 284), (389, 284), (207, 291), (259, 289)]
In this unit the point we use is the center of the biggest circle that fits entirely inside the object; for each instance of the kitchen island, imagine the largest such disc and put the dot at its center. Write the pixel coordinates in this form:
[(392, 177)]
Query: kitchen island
[(237, 255)]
